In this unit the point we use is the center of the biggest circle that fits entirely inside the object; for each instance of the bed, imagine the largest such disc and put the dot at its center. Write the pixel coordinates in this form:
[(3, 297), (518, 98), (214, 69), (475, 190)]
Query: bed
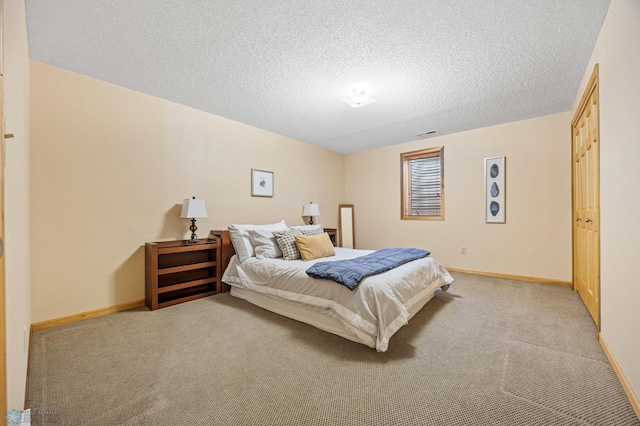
[(371, 314)]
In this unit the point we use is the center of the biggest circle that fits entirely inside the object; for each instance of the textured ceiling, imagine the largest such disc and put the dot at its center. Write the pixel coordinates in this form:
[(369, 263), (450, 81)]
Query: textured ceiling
[(285, 65)]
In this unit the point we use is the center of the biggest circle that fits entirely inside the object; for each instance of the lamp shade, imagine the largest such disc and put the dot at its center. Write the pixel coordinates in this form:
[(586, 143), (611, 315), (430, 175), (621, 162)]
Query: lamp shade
[(193, 208), (311, 209)]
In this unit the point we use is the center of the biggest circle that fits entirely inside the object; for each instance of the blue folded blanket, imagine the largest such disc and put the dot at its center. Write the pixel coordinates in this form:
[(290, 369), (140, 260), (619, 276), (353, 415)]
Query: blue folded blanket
[(351, 271)]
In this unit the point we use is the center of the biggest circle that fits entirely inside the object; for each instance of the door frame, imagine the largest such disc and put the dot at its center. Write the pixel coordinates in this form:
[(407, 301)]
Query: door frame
[(3, 306)]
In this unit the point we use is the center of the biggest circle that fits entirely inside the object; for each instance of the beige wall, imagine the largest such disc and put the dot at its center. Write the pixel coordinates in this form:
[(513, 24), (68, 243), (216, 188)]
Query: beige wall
[(535, 241), (110, 168), (618, 53), (16, 201)]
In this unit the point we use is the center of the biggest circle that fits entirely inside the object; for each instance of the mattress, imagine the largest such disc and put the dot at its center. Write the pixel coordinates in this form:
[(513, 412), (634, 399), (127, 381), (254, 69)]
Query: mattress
[(370, 314)]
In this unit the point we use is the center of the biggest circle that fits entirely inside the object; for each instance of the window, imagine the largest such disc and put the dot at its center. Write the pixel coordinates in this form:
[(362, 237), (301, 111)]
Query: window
[(423, 184)]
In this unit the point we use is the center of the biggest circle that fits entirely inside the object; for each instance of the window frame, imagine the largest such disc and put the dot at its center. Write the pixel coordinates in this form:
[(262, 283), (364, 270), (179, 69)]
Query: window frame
[(405, 159)]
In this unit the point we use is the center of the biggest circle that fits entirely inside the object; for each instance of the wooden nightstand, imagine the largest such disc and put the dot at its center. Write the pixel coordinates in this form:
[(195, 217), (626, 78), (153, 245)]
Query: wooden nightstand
[(333, 235), (177, 272)]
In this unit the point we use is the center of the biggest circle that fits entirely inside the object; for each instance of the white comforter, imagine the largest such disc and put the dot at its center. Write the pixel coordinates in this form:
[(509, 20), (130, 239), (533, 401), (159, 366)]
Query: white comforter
[(378, 307)]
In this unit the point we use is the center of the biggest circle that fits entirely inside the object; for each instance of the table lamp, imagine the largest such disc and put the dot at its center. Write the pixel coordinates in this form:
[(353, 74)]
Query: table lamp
[(193, 208), (311, 210)]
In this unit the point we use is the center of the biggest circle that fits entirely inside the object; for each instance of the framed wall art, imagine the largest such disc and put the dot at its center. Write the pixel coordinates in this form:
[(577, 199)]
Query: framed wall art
[(495, 189), (261, 183)]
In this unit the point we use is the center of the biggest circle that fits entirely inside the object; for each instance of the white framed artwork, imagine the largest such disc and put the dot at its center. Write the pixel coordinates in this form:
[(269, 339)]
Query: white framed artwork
[(261, 183), (495, 173)]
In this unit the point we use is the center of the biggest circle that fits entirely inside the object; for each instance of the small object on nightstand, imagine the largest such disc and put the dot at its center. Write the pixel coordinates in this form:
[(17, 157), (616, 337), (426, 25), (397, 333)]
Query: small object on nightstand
[(192, 209)]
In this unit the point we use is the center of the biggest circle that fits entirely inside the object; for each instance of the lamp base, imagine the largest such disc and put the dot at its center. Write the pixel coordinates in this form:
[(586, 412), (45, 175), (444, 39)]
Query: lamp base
[(310, 220), (193, 228)]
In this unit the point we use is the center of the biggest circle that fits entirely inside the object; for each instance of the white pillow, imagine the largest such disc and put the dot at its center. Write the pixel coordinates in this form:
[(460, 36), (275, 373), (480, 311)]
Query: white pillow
[(313, 227), (241, 241), (264, 244)]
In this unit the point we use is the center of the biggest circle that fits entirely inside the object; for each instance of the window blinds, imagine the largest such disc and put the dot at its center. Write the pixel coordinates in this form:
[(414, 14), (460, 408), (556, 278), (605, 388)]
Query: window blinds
[(423, 185)]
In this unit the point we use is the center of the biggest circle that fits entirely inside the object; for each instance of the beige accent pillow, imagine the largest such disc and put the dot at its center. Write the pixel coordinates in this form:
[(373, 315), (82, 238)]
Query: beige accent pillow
[(314, 246)]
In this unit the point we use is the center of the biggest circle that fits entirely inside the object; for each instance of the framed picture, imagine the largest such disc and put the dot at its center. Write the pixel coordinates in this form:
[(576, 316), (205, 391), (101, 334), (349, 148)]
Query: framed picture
[(495, 173), (261, 183)]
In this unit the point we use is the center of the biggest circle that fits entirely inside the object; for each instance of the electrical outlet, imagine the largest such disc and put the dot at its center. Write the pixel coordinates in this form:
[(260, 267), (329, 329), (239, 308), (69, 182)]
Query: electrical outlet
[(463, 250)]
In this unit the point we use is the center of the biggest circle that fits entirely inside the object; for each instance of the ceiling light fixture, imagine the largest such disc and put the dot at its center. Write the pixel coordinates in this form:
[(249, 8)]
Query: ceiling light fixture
[(358, 99)]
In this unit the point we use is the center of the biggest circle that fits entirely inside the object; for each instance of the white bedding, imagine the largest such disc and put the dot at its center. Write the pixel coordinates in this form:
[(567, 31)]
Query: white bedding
[(377, 308)]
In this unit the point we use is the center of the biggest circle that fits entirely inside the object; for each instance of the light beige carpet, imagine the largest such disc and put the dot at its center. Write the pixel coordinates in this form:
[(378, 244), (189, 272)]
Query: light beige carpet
[(488, 352)]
